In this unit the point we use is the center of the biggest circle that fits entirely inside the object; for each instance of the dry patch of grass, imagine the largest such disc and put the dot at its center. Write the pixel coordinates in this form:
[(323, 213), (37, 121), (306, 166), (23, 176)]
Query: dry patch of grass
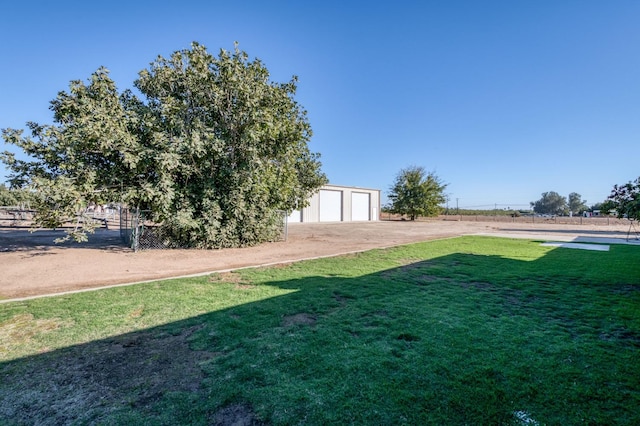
[(231, 277), (137, 312), (226, 277), (20, 329)]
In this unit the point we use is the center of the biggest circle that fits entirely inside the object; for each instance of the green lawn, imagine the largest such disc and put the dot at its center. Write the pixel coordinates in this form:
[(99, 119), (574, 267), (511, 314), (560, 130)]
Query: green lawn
[(471, 330)]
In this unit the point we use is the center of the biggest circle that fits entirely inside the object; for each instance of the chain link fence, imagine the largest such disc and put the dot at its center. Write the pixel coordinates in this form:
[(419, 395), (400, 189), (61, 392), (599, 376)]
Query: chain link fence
[(140, 233)]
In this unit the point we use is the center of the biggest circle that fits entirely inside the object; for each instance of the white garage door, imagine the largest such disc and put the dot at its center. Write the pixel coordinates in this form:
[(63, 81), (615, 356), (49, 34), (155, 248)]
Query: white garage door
[(330, 206), (359, 206)]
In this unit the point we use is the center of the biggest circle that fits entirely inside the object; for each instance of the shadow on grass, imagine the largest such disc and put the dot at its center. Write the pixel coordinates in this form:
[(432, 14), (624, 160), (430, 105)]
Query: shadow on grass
[(458, 339)]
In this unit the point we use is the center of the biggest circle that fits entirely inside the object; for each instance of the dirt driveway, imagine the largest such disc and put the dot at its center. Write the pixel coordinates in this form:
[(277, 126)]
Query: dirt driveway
[(31, 264)]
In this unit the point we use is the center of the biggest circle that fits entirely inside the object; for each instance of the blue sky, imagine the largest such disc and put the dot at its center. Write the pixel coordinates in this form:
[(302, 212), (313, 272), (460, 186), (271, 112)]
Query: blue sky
[(503, 100)]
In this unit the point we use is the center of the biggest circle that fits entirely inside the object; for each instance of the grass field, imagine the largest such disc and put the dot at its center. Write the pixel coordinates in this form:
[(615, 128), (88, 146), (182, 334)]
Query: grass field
[(471, 330)]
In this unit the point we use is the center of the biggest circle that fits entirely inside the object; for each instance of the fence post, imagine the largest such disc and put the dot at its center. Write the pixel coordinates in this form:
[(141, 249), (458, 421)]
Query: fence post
[(135, 230)]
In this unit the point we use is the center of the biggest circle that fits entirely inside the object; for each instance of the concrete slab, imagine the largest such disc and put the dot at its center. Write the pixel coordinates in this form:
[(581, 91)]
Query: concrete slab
[(560, 237), (580, 246), (601, 240)]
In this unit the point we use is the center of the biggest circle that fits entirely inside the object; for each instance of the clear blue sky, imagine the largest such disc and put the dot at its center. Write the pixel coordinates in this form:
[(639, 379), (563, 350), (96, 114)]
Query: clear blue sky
[(503, 100)]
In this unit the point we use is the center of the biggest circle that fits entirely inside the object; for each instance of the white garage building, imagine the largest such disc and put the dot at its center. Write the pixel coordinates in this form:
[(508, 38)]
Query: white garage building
[(333, 203)]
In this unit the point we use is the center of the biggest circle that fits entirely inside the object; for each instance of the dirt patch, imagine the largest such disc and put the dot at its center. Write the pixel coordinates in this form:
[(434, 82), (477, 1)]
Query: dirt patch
[(231, 278), (85, 383), (299, 319), (226, 277), (33, 265), (236, 415)]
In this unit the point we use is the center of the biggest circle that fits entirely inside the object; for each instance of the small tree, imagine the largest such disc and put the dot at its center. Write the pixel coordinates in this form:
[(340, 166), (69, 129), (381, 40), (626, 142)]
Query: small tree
[(550, 203), (416, 193), (625, 200), (576, 204)]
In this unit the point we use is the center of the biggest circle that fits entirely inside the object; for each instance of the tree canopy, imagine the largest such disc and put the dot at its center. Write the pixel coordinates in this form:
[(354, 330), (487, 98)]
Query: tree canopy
[(550, 203), (213, 149), (625, 200), (15, 197), (576, 204), (416, 193)]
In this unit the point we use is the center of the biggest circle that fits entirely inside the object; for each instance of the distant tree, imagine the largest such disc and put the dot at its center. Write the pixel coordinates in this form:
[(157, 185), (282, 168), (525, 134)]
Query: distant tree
[(625, 200), (213, 150), (7, 196), (550, 203), (576, 204), (416, 193), (15, 197)]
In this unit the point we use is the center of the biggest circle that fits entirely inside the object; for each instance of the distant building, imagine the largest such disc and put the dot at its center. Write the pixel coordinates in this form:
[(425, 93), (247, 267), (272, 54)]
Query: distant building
[(596, 213), (334, 203)]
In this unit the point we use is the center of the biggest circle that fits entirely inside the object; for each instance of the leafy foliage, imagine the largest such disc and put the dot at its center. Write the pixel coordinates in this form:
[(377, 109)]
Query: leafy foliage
[(576, 204), (416, 193), (15, 197), (213, 151), (550, 203), (625, 200)]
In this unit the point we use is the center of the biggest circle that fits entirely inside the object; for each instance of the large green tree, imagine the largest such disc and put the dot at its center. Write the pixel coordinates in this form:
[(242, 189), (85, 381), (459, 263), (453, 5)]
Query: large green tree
[(213, 149), (625, 200), (550, 203), (416, 193)]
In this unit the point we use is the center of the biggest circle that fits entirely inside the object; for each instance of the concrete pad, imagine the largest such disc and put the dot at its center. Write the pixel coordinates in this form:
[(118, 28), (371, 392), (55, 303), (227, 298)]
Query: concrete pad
[(601, 240), (580, 246), (525, 236), (559, 237)]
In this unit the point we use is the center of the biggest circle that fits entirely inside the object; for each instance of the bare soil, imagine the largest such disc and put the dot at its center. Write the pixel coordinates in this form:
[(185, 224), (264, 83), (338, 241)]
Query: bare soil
[(31, 264)]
